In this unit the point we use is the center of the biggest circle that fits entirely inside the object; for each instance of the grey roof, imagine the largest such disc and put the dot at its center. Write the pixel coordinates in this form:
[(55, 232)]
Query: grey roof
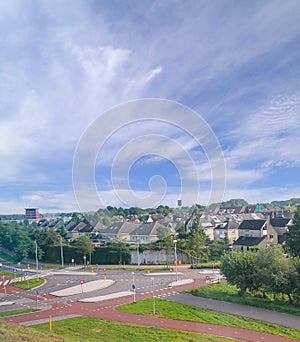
[(228, 225), (252, 224), (112, 229), (70, 226), (146, 229), (279, 222), (119, 228), (249, 241)]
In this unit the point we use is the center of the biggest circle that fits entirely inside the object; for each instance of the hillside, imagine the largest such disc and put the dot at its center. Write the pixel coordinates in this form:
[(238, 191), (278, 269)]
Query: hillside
[(10, 332)]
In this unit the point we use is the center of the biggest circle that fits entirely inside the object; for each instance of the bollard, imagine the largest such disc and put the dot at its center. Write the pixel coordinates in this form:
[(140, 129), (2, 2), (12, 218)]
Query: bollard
[(50, 323)]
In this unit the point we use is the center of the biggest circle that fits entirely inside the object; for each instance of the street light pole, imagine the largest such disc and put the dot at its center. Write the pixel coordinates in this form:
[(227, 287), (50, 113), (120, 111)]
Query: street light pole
[(61, 253), (36, 256), (153, 299), (175, 251), (138, 253)]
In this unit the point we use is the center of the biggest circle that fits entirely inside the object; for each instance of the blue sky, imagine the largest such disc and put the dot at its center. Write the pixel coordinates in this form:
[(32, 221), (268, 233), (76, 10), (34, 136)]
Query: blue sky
[(64, 63)]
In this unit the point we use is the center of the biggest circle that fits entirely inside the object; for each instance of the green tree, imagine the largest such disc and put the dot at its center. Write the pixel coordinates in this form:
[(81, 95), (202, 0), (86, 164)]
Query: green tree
[(62, 231), (217, 249), (84, 245), (162, 232), (240, 269), (293, 235), (196, 241), (275, 271)]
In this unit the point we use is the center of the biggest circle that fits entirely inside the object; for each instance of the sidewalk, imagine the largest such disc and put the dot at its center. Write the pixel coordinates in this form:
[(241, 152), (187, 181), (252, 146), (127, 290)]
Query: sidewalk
[(252, 312)]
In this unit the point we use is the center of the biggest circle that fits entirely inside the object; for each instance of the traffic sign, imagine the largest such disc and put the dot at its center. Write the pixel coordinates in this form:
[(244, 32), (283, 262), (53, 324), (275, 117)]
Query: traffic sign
[(81, 281), (207, 277), (27, 274), (213, 264), (133, 286)]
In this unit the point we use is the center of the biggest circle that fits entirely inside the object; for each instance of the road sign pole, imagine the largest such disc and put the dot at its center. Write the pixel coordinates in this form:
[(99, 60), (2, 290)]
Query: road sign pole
[(133, 287), (153, 299)]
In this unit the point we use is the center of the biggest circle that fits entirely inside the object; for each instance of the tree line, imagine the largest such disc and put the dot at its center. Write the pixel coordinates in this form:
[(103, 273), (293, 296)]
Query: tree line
[(273, 269)]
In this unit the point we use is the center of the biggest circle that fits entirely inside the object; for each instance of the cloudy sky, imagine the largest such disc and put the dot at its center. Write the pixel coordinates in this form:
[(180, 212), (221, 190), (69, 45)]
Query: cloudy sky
[(64, 64)]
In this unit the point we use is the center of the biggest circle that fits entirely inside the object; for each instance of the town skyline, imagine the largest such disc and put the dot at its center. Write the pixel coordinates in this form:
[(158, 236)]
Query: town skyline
[(64, 65)]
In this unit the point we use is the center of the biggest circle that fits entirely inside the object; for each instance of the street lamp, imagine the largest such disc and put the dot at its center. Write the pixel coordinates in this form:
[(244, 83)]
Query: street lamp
[(138, 253), (36, 256), (175, 251), (61, 252), (153, 299)]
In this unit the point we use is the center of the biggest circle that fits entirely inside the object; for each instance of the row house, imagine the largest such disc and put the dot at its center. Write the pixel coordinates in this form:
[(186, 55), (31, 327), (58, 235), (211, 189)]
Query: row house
[(260, 233)]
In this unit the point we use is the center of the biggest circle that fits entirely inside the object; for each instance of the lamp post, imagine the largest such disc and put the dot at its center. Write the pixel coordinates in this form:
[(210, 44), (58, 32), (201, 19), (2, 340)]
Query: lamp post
[(61, 253), (153, 299), (138, 253), (175, 251), (36, 256)]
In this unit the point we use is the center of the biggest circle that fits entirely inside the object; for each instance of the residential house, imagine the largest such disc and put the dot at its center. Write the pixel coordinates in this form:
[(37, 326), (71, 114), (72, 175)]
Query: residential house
[(277, 229), (145, 233), (118, 231), (252, 233), (227, 229)]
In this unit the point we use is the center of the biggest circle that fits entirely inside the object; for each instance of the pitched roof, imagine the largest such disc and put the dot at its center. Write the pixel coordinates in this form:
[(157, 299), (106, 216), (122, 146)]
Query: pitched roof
[(249, 241), (252, 224), (228, 225), (146, 229), (279, 222)]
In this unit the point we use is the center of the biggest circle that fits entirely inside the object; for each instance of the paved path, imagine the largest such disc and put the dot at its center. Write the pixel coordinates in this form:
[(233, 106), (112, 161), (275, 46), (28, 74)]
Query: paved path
[(106, 310), (239, 310)]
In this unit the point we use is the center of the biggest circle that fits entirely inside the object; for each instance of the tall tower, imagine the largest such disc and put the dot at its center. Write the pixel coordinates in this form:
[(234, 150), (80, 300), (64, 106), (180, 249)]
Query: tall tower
[(32, 214)]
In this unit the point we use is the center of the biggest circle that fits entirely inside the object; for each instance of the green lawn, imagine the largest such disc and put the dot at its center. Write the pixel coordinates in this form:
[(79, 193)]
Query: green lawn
[(88, 329), (30, 283), (173, 310), (9, 274), (17, 333), (16, 312), (229, 293), (8, 257)]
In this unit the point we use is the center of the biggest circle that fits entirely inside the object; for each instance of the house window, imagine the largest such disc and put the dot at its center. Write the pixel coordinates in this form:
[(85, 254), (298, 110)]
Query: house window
[(271, 237)]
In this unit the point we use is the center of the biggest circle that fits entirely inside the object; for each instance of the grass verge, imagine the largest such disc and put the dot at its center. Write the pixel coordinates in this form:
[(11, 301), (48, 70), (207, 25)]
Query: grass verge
[(89, 329), (173, 310), (8, 257), (29, 283), (4, 273), (17, 333), (229, 293), (16, 312)]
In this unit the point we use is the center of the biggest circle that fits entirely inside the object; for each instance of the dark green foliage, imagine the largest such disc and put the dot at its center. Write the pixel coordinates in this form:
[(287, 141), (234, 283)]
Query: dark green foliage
[(110, 255), (293, 235), (239, 268)]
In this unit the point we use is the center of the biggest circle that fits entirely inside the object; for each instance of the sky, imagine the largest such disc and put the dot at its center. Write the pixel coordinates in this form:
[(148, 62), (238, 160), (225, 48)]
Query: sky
[(73, 72)]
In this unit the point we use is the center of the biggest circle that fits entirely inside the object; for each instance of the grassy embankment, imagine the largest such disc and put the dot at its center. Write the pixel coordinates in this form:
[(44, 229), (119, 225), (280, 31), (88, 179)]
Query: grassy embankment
[(230, 293), (75, 329), (173, 310)]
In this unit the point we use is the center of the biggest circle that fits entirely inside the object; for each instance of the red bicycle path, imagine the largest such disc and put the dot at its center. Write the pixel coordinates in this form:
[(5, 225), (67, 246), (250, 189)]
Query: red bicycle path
[(107, 310)]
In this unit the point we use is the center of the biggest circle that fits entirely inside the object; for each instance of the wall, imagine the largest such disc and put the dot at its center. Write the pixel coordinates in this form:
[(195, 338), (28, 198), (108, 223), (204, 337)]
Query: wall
[(161, 257)]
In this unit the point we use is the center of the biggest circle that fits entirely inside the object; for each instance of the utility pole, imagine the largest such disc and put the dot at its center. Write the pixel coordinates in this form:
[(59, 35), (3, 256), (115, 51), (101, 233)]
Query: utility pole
[(61, 253), (36, 256)]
